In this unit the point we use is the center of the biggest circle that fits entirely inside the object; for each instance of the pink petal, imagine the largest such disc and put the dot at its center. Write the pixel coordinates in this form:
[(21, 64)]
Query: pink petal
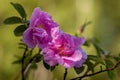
[(49, 57), (82, 60), (35, 16), (28, 38)]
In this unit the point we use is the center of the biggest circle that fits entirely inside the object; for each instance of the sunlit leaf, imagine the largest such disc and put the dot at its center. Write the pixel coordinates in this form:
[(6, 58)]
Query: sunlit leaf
[(19, 30), (79, 70), (12, 20), (19, 9)]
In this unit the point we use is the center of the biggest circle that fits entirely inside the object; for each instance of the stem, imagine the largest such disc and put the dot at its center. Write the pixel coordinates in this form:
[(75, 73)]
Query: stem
[(23, 58), (92, 74), (65, 74), (27, 66)]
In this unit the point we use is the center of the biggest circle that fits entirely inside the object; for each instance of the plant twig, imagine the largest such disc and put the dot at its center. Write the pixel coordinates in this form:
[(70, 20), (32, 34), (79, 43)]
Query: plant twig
[(92, 74), (65, 74), (27, 66), (23, 58)]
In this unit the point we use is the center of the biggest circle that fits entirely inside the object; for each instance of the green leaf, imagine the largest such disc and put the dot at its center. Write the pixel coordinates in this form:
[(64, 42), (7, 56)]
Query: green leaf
[(19, 61), (96, 59), (19, 9), (86, 43), (13, 20), (79, 70), (116, 58), (90, 65), (46, 65), (38, 58), (110, 64), (19, 30)]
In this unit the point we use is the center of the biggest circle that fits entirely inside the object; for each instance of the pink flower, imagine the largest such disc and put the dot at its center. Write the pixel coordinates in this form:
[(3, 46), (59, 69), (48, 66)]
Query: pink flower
[(65, 50), (39, 30)]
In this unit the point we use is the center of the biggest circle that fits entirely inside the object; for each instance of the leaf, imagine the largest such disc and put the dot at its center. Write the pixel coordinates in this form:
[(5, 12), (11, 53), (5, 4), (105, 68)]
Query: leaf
[(79, 70), (116, 58), (19, 30), (12, 20), (38, 58), (86, 43), (90, 65), (96, 59), (99, 49), (17, 61), (19, 9), (46, 65), (110, 64)]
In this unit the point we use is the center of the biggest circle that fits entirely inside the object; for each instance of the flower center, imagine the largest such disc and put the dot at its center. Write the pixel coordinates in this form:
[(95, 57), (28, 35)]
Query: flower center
[(41, 26)]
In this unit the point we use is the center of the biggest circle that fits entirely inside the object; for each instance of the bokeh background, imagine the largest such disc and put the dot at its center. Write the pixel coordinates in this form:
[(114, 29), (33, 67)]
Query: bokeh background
[(70, 14)]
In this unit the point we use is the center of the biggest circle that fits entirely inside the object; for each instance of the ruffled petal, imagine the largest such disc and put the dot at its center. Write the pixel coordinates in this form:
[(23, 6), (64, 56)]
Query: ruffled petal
[(79, 41), (70, 61), (41, 37), (35, 15), (28, 38), (82, 60), (49, 57)]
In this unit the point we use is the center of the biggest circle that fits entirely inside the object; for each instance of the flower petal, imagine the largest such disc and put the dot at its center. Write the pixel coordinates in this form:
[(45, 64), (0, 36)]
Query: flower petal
[(69, 62), (79, 41), (82, 60), (28, 38), (49, 57), (41, 37), (35, 16)]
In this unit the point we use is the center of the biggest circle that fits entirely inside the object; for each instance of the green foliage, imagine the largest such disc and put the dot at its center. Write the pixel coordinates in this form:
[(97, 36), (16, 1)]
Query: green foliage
[(19, 9), (38, 58), (79, 70), (13, 20), (96, 59), (110, 64), (19, 30), (90, 65)]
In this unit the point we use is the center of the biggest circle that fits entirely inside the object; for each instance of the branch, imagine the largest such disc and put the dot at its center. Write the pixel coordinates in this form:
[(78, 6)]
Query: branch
[(65, 74), (92, 74), (27, 66), (23, 58)]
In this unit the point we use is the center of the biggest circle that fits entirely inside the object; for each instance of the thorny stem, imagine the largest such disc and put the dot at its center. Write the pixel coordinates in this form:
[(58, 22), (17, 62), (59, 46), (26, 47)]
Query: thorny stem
[(92, 74), (65, 74), (23, 58)]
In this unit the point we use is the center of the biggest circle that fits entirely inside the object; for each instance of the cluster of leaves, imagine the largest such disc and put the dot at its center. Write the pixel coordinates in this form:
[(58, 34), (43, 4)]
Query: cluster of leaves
[(23, 23), (103, 58)]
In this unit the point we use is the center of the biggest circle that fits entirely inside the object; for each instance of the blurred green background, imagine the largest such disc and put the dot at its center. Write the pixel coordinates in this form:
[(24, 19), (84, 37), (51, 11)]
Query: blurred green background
[(70, 14)]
